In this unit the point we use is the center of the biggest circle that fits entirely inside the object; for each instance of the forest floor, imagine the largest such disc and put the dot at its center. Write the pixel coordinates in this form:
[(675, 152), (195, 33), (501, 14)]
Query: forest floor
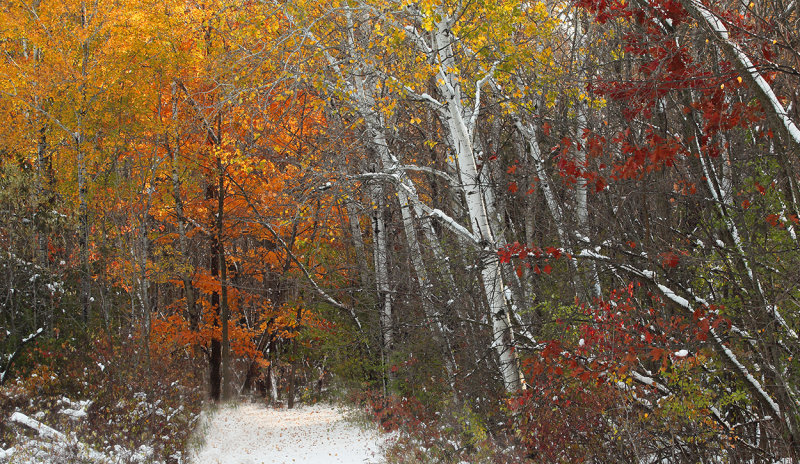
[(250, 433)]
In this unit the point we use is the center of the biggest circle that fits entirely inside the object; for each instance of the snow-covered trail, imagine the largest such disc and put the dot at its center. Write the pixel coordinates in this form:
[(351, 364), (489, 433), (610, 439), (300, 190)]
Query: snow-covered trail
[(254, 434)]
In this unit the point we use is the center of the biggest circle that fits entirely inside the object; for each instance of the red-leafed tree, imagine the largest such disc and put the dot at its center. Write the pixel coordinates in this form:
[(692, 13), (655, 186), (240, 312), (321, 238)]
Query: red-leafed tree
[(692, 125)]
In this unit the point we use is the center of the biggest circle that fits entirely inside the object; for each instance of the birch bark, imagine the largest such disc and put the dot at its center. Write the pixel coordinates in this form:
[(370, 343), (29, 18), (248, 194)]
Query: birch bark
[(380, 256), (460, 120)]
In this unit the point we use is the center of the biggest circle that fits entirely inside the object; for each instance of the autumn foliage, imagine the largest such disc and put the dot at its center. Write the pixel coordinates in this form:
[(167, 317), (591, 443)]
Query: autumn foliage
[(560, 232)]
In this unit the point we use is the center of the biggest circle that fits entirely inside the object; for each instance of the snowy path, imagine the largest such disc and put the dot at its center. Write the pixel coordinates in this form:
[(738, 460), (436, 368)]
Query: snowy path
[(255, 434)]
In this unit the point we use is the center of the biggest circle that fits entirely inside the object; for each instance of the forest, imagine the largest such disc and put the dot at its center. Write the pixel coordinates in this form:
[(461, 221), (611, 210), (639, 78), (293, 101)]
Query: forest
[(512, 231)]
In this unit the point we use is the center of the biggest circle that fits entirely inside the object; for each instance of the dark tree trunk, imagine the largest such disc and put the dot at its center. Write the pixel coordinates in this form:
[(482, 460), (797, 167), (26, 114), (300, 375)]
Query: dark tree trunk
[(290, 393), (223, 279), (215, 358), (252, 373), (215, 361)]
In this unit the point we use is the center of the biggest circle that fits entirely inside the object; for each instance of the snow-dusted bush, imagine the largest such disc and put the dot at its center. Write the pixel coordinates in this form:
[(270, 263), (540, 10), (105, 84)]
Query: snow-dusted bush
[(104, 402)]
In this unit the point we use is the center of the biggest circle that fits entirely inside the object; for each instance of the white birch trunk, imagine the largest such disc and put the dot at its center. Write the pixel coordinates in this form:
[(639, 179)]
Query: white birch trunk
[(454, 118), (582, 187), (582, 199), (381, 263)]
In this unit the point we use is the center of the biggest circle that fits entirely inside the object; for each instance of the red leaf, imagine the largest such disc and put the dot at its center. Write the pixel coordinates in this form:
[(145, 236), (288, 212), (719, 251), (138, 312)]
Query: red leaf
[(600, 185), (669, 259), (773, 219), (554, 252)]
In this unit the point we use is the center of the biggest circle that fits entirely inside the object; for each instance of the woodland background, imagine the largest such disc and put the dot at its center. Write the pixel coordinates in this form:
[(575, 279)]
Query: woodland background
[(545, 231)]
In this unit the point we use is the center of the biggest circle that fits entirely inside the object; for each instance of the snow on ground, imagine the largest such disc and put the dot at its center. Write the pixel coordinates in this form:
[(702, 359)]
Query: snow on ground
[(254, 434)]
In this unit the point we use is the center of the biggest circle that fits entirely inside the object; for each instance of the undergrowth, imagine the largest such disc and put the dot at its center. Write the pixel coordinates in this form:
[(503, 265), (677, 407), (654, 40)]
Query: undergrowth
[(111, 401), (447, 433)]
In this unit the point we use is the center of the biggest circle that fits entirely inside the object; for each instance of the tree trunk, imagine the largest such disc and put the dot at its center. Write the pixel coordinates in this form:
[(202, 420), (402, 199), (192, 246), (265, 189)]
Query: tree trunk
[(454, 118), (223, 274), (46, 199), (192, 313), (83, 210), (141, 256), (83, 233), (381, 262), (215, 356)]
